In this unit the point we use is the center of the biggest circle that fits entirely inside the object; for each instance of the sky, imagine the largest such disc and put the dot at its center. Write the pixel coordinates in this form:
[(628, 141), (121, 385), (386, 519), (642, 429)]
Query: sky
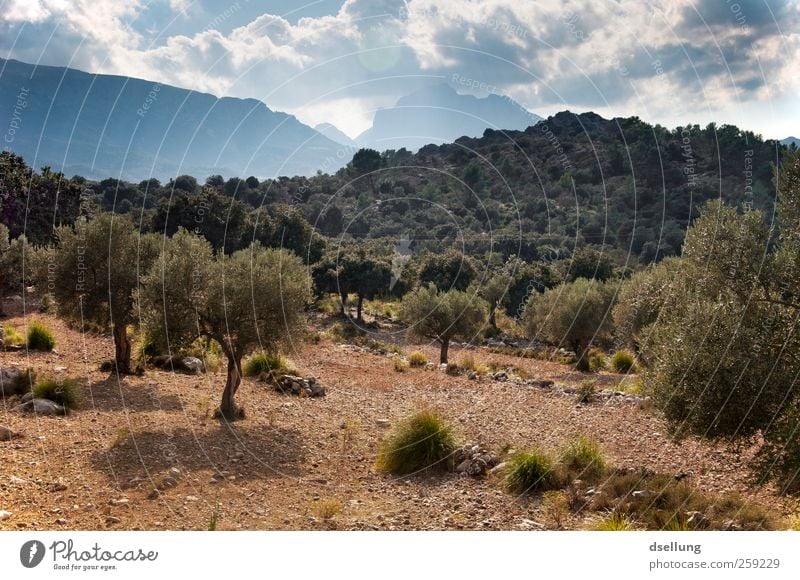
[(672, 63)]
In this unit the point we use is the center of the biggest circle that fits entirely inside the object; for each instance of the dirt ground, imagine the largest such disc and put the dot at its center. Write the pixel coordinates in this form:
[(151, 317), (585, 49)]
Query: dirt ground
[(292, 458)]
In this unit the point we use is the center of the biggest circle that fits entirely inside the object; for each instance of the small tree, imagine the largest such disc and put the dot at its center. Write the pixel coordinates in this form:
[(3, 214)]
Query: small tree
[(251, 300), (450, 270), (12, 253), (442, 316), (494, 291), (94, 276), (577, 313)]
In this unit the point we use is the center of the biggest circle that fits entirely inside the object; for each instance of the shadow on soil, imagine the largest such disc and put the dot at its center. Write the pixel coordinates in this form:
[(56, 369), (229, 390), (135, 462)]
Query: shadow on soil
[(264, 452)]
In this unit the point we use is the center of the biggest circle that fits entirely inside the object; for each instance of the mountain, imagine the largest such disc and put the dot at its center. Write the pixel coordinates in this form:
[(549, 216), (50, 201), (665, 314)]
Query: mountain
[(789, 141), (333, 133), (103, 125), (438, 114)]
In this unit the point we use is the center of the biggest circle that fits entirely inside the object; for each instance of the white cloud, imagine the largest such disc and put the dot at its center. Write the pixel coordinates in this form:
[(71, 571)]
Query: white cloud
[(626, 55)]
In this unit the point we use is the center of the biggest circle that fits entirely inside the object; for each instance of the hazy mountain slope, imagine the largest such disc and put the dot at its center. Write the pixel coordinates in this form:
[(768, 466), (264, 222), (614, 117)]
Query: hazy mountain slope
[(438, 114), (103, 125)]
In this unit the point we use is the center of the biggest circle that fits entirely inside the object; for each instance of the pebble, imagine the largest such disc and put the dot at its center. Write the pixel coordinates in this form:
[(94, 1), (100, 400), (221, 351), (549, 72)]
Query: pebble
[(4, 515)]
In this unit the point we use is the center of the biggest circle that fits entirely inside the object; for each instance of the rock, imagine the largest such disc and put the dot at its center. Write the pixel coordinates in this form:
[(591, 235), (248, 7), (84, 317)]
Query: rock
[(317, 390), (294, 385), (192, 364), (111, 520), (473, 460), (175, 472), (7, 434), (4, 515), (17, 480), (154, 494), (499, 467), (542, 384), (56, 487), (14, 381), (61, 522), (167, 482), (643, 493), (382, 422), (472, 375), (41, 407), (26, 397), (192, 498), (118, 502), (696, 519), (501, 376)]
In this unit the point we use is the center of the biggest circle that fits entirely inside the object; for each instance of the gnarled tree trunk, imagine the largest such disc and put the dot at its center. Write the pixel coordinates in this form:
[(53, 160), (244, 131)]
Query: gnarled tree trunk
[(343, 304), (443, 354), (122, 349), (359, 307), (227, 407), (581, 347)]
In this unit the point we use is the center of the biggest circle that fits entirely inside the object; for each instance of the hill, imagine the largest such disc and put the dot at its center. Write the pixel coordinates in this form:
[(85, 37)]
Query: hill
[(101, 125)]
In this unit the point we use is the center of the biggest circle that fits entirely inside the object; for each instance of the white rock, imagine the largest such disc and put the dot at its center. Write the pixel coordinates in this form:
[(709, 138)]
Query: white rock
[(4, 515)]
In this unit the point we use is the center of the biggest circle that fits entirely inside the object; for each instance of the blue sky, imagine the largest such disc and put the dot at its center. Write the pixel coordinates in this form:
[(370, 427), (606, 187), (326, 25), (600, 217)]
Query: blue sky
[(670, 63)]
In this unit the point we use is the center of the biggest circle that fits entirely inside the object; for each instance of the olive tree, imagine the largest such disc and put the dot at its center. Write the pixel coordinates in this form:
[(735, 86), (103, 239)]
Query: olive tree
[(442, 316), (494, 291), (93, 274), (250, 300), (12, 254), (576, 313)]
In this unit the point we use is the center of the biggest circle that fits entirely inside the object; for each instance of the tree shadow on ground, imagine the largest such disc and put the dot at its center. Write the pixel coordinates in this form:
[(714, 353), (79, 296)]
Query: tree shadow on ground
[(128, 393), (244, 451)]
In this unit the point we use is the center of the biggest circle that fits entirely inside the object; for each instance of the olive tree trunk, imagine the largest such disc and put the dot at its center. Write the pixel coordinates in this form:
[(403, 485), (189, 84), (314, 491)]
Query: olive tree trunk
[(581, 347), (227, 407), (122, 349), (443, 354), (359, 308)]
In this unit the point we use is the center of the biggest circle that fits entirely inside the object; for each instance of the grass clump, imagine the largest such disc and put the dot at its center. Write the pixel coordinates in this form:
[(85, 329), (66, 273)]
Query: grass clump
[(400, 365), (267, 366), (468, 363), (587, 391), (11, 337), (417, 359), (421, 441), (614, 522), (597, 361), (65, 392), (529, 471), (326, 509), (582, 459), (40, 337), (622, 361)]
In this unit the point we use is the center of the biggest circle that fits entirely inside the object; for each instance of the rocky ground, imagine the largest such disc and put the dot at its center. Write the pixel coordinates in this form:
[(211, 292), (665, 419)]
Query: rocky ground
[(145, 453)]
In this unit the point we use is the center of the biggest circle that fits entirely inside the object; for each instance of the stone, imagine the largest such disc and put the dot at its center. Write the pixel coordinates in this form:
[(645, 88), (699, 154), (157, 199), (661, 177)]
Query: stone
[(643, 493), (26, 397), (168, 481), (111, 520), (154, 494), (56, 487), (13, 381), (696, 519), (40, 407), (382, 422), (61, 522), (118, 502), (317, 390), (7, 434), (175, 472), (192, 364), (499, 467), (4, 515)]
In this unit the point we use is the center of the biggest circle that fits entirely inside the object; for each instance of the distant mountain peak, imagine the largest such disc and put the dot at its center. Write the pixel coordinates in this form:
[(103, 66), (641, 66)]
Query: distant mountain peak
[(438, 113)]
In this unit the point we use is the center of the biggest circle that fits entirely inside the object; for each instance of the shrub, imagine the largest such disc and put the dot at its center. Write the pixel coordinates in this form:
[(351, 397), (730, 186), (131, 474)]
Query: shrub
[(65, 392), (422, 441), (614, 522), (597, 361), (40, 337), (417, 359), (587, 391), (622, 361), (467, 363), (11, 337), (326, 509), (582, 459), (267, 366), (529, 471), (400, 365)]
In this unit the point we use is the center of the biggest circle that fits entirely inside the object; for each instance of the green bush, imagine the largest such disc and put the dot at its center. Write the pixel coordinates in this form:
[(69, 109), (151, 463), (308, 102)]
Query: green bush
[(11, 337), (422, 441), (267, 366), (622, 361), (587, 391), (614, 522), (417, 359), (583, 460), (65, 392), (529, 471), (40, 337), (597, 361)]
